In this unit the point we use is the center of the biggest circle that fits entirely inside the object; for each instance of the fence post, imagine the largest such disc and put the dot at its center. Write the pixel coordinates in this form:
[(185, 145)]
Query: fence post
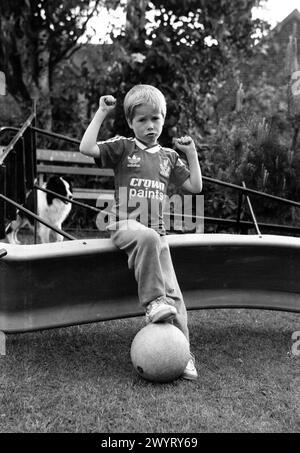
[(252, 212), (2, 168), (34, 166), (20, 171), (239, 211), (2, 202)]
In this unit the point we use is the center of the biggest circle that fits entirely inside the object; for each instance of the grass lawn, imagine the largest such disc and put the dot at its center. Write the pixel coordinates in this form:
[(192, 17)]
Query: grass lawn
[(80, 379)]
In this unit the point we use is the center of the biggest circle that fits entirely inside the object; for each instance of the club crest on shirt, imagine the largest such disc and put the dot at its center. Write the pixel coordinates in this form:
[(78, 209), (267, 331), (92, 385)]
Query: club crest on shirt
[(165, 168), (133, 161)]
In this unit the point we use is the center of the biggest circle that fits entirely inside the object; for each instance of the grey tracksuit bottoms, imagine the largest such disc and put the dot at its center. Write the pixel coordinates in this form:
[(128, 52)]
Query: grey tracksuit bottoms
[(150, 259)]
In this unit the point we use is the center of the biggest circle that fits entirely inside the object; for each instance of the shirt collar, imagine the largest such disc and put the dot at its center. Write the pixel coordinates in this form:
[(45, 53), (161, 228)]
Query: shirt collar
[(152, 149)]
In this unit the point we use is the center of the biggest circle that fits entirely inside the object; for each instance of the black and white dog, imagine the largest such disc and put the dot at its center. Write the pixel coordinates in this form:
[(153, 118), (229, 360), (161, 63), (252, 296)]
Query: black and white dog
[(50, 208)]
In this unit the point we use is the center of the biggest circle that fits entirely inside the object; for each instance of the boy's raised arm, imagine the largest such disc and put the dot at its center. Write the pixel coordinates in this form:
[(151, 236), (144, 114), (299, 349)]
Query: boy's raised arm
[(88, 144), (187, 146)]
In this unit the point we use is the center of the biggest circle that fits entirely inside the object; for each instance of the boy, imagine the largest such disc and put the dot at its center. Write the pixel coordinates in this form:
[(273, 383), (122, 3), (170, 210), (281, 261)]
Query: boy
[(142, 172)]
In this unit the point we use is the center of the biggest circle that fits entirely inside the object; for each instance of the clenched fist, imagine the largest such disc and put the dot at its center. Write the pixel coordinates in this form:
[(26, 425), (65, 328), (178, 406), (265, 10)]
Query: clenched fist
[(185, 144), (107, 103)]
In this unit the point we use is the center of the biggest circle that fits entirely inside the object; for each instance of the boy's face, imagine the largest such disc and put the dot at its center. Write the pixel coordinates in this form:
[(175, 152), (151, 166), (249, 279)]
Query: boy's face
[(147, 124)]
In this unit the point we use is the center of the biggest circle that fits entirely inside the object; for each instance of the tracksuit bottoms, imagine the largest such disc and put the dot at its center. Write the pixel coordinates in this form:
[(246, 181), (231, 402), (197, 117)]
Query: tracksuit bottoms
[(150, 259)]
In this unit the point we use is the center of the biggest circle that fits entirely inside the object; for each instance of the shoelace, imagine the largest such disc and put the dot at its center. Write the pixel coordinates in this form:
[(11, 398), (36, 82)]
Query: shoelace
[(154, 304)]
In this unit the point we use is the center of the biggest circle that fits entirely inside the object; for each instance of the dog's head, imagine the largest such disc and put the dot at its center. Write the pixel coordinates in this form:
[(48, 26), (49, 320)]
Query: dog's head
[(59, 185)]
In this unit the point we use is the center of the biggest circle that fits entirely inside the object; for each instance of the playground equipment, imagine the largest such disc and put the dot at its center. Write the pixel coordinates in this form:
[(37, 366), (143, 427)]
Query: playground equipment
[(74, 282), (60, 284)]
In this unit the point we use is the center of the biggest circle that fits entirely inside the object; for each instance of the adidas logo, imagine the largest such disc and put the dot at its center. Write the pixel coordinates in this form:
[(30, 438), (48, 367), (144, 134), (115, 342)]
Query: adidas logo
[(133, 161)]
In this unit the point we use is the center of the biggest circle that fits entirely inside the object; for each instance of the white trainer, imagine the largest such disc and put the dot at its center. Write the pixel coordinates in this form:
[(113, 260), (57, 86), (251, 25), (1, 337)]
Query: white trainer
[(160, 311), (190, 371)]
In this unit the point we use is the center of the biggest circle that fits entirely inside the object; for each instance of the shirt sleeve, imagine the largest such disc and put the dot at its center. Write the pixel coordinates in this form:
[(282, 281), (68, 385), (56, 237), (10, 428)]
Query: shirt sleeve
[(111, 152), (180, 171)]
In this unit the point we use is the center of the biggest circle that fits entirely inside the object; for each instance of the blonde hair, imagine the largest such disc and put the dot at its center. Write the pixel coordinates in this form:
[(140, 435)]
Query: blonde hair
[(144, 94)]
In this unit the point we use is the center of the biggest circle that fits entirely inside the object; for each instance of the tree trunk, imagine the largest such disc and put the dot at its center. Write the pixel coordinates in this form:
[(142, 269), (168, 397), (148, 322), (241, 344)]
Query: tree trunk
[(25, 60), (43, 79), (135, 19), (82, 107)]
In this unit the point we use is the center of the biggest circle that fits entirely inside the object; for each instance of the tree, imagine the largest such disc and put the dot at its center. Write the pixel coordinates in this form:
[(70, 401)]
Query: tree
[(35, 35), (186, 50)]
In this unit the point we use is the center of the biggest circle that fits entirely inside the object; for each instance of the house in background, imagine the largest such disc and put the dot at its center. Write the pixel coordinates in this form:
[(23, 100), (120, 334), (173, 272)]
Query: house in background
[(289, 26), (274, 48)]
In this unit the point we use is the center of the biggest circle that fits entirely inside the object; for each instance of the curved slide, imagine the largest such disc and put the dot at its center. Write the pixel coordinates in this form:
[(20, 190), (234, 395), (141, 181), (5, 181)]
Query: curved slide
[(80, 281)]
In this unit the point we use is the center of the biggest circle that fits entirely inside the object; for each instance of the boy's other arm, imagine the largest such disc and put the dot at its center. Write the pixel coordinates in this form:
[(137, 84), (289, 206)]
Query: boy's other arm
[(187, 146), (88, 144)]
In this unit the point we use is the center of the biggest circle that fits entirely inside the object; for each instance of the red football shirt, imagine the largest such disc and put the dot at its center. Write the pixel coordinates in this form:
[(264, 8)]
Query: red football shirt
[(142, 176)]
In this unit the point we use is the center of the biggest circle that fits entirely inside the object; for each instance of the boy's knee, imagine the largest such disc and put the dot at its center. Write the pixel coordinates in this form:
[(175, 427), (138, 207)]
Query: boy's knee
[(148, 238)]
